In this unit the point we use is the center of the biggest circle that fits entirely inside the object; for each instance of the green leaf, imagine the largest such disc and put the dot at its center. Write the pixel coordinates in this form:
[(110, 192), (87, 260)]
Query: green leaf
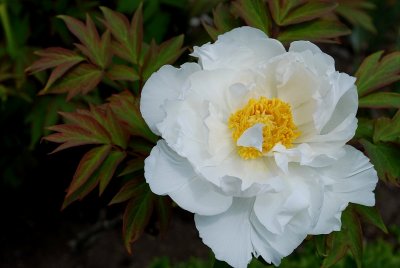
[(107, 169), (317, 30), (136, 217), (125, 107), (375, 73), (352, 227), (320, 244), (81, 79), (220, 264), (87, 166), (372, 215), (280, 9), (307, 12), (53, 57), (365, 128), (129, 37), (223, 21), (114, 128), (131, 189), (122, 73), (337, 249), (254, 13), (158, 56), (353, 11), (387, 130), (380, 100), (163, 209), (94, 47), (386, 160), (132, 166)]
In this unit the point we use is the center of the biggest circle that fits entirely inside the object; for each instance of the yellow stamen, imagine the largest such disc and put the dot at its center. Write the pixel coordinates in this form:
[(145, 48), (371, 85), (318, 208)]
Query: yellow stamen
[(277, 118)]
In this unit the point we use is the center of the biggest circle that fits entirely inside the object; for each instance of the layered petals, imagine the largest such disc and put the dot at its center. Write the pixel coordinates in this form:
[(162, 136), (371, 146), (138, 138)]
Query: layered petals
[(259, 177)]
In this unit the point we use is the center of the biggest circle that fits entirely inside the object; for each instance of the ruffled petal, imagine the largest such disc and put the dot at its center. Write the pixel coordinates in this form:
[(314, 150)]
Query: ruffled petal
[(228, 234), (242, 48), (168, 173), (166, 84), (350, 179)]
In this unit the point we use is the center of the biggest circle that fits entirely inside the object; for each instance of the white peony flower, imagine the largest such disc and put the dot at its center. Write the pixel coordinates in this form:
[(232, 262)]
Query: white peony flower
[(254, 143)]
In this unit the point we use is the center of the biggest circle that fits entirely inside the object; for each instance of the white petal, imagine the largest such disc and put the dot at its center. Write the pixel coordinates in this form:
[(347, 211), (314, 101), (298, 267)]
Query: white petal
[(351, 179), (168, 173), (273, 247), (166, 84), (228, 234), (241, 48), (252, 137)]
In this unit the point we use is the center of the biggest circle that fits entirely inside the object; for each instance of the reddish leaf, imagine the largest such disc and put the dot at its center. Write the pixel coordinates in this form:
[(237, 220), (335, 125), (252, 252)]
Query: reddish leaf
[(122, 72), (93, 47), (107, 169), (81, 79), (54, 56), (129, 36), (317, 30), (163, 209), (158, 56), (136, 217), (132, 166), (89, 123), (126, 110), (386, 129), (71, 136), (134, 187), (109, 121), (87, 166), (308, 11)]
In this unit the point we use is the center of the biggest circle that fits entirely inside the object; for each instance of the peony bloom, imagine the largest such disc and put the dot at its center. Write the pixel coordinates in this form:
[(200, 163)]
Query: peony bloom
[(254, 143)]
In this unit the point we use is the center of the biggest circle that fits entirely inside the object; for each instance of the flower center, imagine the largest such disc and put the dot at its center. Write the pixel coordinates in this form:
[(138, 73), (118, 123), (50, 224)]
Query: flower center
[(274, 120)]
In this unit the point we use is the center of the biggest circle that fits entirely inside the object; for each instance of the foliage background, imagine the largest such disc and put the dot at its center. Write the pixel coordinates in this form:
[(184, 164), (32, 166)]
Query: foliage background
[(87, 234)]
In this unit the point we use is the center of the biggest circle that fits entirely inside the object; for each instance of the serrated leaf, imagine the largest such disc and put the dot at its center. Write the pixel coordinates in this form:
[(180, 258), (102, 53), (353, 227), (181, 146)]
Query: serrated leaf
[(352, 228), (52, 57), (129, 36), (254, 13), (387, 130), (93, 46), (307, 12), (80, 80), (122, 73), (380, 100), (87, 166), (386, 160), (126, 109), (375, 73), (131, 189), (71, 136), (108, 167), (132, 166), (114, 128), (372, 215), (317, 30), (158, 56), (88, 122), (136, 217)]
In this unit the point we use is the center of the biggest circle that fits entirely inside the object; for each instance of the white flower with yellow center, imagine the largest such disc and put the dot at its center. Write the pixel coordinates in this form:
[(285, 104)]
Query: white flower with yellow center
[(253, 142)]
